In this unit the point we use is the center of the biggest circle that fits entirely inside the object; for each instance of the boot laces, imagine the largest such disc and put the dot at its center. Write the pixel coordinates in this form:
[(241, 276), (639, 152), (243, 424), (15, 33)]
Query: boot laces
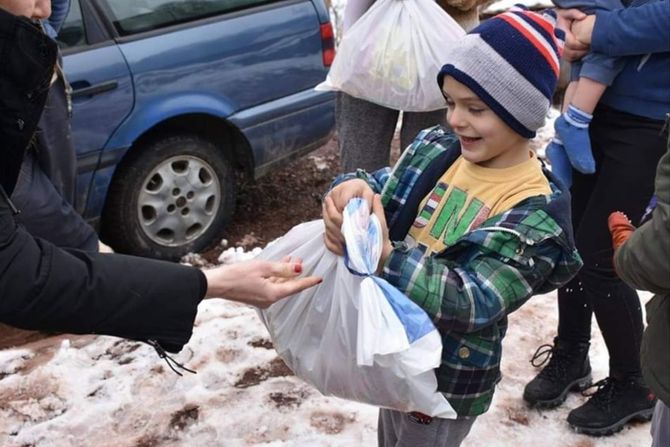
[(557, 361), (607, 391)]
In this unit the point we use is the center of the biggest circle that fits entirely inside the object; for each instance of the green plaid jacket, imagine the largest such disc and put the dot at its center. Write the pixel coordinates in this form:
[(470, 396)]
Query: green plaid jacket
[(470, 288)]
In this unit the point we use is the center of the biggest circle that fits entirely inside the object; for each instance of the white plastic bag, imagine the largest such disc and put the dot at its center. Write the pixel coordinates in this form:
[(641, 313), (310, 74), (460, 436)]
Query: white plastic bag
[(355, 336), (393, 53)]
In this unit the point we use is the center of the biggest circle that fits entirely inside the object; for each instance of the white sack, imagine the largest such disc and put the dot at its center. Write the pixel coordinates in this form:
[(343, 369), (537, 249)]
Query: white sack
[(391, 56), (344, 336)]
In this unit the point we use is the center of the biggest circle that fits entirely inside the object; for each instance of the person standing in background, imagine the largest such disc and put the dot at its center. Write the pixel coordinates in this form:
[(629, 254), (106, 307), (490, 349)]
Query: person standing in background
[(627, 142), (46, 189), (365, 129)]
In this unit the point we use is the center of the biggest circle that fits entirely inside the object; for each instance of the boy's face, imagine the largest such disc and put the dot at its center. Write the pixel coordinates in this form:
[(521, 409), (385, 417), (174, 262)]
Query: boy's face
[(485, 139), (33, 9)]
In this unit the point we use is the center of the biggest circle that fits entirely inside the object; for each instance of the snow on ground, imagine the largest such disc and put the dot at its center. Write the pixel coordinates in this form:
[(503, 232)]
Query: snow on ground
[(70, 391)]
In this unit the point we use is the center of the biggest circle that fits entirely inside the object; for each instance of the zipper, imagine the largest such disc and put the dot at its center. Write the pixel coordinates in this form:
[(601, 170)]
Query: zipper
[(9, 202), (508, 230)]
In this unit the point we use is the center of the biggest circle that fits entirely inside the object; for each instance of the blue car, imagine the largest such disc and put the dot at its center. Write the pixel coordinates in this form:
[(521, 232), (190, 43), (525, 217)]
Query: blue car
[(173, 99)]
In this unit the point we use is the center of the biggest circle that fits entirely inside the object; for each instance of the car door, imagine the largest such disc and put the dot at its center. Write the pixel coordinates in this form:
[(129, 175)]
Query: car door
[(102, 91)]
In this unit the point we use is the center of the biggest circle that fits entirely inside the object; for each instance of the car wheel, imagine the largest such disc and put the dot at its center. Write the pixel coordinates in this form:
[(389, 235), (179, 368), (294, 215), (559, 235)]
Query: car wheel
[(169, 198)]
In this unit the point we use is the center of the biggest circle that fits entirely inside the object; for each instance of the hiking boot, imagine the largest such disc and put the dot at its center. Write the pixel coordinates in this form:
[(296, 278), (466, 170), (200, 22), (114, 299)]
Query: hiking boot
[(568, 369), (615, 403)]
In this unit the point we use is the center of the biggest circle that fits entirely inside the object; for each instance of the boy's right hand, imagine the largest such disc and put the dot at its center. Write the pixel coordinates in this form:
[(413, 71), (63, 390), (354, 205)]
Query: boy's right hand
[(333, 207)]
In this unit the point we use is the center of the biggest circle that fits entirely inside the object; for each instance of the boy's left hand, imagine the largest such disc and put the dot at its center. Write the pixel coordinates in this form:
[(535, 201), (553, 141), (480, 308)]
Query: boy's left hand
[(620, 227), (387, 247)]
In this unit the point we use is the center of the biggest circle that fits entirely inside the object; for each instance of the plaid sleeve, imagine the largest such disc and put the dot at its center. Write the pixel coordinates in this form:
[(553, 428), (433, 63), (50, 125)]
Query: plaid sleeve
[(376, 180), (468, 296)]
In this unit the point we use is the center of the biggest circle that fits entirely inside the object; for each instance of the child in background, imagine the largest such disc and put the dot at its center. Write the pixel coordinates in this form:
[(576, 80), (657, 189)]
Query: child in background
[(475, 225), (589, 78)]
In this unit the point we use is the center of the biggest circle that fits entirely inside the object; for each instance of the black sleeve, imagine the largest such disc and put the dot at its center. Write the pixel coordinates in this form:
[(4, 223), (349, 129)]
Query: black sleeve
[(43, 287)]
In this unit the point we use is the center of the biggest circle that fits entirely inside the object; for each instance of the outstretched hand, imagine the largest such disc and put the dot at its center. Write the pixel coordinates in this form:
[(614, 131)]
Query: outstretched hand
[(258, 283), (333, 207)]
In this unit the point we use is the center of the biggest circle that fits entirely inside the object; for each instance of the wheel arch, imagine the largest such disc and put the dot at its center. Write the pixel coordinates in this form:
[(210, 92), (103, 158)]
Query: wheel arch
[(219, 131)]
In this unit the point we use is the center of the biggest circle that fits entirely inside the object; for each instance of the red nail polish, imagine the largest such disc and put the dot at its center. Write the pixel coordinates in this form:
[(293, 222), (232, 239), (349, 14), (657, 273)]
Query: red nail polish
[(297, 268)]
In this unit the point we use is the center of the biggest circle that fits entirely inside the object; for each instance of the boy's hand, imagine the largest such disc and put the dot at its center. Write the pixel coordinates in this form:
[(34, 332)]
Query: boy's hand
[(333, 206), (620, 228), (387, 248)]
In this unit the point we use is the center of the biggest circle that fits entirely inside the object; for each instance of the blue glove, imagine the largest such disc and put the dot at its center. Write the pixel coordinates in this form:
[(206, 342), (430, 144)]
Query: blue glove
[(560, 163)]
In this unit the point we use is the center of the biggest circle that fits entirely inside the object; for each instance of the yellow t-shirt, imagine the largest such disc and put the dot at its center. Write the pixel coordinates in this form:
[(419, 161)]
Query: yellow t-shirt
[(468, 194)]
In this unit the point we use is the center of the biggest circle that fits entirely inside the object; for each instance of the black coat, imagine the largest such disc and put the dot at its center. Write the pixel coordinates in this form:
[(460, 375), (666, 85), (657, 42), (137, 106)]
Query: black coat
[(48, 288)]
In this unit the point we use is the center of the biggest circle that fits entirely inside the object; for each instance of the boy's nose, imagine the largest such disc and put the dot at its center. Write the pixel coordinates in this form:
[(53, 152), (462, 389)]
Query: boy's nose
[(454, 119)]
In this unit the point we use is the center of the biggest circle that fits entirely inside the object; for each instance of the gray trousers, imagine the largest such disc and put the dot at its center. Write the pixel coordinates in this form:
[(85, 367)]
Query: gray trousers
[(397, 429), (660, 425), (365, 131)]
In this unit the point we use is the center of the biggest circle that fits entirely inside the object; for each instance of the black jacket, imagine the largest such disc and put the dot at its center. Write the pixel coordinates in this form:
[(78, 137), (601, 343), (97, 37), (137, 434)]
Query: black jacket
[(44, 287)]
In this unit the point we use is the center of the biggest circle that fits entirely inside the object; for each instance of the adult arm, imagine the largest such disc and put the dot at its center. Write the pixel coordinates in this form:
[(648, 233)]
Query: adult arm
[(46, 288), (353, 11), (643, 261), (633, 31)]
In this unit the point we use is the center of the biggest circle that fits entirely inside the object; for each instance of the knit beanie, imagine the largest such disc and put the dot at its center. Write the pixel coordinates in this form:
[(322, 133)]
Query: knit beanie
[(511, 62)]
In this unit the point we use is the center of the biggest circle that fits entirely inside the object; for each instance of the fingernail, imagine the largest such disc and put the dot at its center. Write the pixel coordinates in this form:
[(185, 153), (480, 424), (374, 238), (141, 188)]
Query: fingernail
[(320, 281), (297, 268)]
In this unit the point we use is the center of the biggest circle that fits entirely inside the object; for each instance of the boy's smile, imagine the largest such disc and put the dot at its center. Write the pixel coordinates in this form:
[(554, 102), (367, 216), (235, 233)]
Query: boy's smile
[(485, 139)]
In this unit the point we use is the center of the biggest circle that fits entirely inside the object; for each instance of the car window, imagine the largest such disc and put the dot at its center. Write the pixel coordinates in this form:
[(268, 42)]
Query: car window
[(72, 33), (136, 16)]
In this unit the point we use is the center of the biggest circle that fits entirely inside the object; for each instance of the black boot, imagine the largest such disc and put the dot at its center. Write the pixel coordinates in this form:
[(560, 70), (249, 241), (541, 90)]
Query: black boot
[(615, 403), (568, 369)]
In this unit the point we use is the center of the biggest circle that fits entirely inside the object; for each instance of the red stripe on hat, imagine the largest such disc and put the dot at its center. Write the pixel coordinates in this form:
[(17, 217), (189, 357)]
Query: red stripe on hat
[(548, 25), (534, 40), (540, 20)]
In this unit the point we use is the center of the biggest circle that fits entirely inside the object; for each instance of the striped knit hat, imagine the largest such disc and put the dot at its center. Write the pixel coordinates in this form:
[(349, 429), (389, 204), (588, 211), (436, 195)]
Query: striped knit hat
[(511, 61)]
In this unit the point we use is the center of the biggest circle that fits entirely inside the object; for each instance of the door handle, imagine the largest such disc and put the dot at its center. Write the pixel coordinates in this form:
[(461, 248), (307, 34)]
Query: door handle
[(87, 90)]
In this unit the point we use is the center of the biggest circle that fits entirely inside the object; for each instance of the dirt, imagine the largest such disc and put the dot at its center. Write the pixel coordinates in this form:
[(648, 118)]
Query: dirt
[(272, 205), (254, 376), (184, 417)]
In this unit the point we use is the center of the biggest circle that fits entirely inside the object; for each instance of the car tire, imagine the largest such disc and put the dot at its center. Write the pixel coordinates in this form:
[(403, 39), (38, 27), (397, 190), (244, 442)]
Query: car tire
[(170, 197)]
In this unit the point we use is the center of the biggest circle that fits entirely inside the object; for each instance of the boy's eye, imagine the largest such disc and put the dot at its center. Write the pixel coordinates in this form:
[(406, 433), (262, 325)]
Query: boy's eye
[(476, 110), (449, 102)]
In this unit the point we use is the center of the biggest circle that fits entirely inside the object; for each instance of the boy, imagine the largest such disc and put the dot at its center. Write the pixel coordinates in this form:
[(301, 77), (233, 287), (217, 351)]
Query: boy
[(589, 78), (475, 226)]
